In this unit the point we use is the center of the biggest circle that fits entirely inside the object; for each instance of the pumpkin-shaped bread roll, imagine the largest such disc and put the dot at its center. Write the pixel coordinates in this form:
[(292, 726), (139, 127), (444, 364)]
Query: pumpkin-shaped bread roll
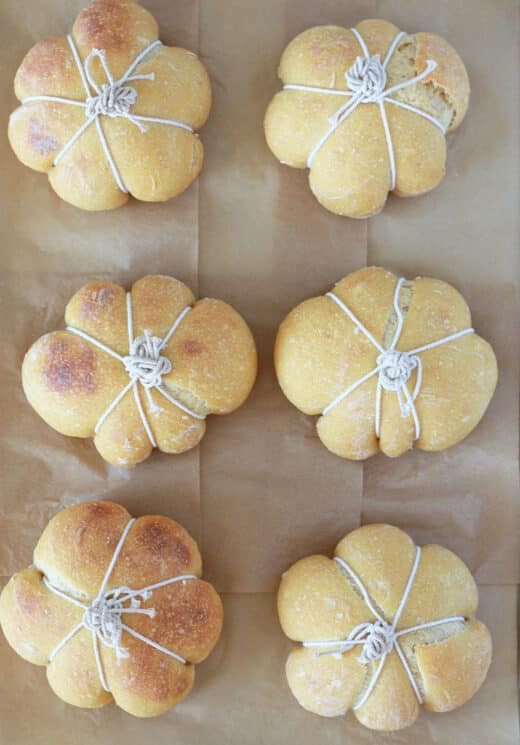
[(114, 608), (109, 111), (367, 110), (388, 364), (383, 628), (141, 369)]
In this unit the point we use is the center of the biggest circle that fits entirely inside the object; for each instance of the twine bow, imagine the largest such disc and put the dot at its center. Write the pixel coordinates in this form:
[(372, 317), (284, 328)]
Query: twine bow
[(113, 99), (367, 78), (378, 639), (145, 363), (104, 616), (395, 368)]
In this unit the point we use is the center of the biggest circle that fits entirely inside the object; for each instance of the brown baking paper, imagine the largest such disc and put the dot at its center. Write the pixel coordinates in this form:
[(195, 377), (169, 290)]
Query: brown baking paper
[(261, 491)]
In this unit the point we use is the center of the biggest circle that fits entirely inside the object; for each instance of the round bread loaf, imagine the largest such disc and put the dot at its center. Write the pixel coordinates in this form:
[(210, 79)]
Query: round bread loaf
[(102, 127), (142, 369), (423, 379), (129, 631), (375, 660), (341, 115)]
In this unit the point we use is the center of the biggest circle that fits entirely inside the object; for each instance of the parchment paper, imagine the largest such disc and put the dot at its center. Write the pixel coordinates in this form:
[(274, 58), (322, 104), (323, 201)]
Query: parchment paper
[(261, 491)]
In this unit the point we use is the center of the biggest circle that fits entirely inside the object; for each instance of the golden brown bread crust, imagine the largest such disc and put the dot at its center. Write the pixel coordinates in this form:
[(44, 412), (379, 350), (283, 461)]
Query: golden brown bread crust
[(317, 602), (350, 175), (319, 353), (154, 166), (71, 383), (73, 554)]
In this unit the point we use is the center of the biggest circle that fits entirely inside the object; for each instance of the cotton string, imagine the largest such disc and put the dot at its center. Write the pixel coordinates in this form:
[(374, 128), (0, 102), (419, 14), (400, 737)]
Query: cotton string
[(394, 367), (367, 79), (378, 638), (114, 99), (104, 616), (145, 365)]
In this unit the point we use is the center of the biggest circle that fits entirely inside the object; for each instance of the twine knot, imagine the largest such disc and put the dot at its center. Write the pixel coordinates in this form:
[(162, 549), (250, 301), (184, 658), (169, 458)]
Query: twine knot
[(367, 78), (145, 363), (395, 368), (104, 616), (378, 640), (113, 100)]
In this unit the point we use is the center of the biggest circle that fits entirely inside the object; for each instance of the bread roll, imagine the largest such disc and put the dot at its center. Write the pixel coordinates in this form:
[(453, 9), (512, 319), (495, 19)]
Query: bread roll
[(351, 658), (187, 360), (119, 153), (354, 161), (143, 600), (430, 399)]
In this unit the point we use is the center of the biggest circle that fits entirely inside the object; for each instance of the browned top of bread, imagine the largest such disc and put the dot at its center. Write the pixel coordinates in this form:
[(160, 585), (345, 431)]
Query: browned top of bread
[(71, 383), (73, 554), (318, 601), (351, 173), (155, 165), (320, 353)]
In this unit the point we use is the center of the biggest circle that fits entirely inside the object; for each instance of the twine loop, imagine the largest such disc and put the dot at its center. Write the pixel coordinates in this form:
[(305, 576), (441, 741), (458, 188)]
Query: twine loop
[(378, 639), (113, 100), (367, 78), (145, 362), (395, 368), (104, 616)]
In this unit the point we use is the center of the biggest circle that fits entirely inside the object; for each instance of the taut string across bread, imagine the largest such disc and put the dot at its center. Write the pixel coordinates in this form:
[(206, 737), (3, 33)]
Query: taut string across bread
[(394, 367), (367, 82), (103, 617), (113, 99)]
